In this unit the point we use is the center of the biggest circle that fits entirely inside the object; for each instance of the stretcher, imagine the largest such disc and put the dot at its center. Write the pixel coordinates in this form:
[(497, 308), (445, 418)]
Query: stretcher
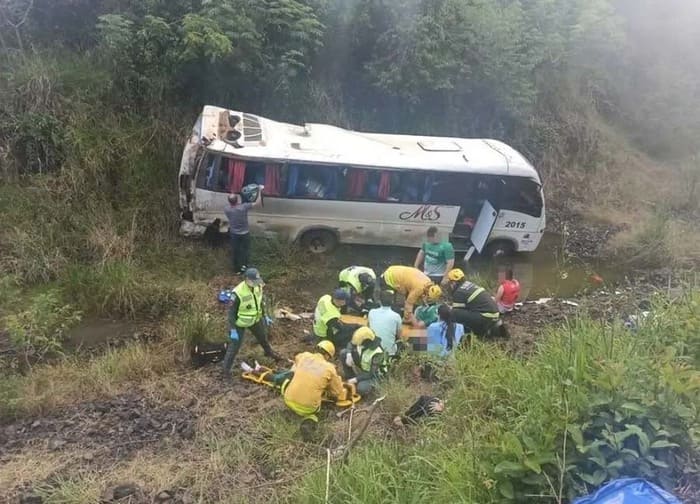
[(263, 376)]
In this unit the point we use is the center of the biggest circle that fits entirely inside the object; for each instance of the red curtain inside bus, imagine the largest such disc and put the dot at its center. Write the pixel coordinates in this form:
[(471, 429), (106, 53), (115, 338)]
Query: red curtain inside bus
[(384, 186), (236, 175), (272, 180), (356, 182)]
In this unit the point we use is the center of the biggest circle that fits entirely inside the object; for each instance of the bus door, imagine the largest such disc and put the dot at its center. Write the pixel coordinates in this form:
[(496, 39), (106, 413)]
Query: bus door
[(482, 229)]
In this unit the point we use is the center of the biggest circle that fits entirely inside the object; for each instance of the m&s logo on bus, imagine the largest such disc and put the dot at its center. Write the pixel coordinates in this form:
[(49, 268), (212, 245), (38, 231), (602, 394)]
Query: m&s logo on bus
[(422, 213)]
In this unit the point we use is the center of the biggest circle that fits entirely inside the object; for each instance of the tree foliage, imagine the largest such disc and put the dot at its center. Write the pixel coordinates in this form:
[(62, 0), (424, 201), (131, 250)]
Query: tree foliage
[(535, 72)]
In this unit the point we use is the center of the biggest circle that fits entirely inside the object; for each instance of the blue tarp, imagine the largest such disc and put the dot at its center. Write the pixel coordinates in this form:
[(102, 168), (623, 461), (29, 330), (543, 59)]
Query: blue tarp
[(629, 491)]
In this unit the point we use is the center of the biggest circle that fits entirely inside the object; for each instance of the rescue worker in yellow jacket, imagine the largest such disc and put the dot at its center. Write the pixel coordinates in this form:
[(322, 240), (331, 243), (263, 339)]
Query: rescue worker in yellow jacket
[(247, 313), (365, 361), (359, 282), (327, 323), (313, 376), (411, 283)]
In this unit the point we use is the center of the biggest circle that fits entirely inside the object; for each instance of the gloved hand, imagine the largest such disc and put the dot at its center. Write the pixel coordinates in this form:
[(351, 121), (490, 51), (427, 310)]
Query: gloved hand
[(349, 360), (268, 320), (233, 335), (353, 381)]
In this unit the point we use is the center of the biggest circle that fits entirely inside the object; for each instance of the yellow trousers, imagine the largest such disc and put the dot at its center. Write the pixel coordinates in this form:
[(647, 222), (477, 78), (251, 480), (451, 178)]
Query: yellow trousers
[(301, 410)]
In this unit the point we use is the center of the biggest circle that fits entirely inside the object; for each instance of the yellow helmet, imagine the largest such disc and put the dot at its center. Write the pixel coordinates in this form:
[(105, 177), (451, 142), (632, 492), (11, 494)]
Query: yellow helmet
[(327, 346), (361, 335), (455, 275), (434, 292)]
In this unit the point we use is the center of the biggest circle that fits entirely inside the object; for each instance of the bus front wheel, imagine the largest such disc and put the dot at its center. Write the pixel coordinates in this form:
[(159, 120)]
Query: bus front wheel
[(500, 248), (319, 241)]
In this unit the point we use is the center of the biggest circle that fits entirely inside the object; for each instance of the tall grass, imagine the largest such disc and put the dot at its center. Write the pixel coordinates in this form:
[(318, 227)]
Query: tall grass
[(529, 430), (72, 380), (121, 289)]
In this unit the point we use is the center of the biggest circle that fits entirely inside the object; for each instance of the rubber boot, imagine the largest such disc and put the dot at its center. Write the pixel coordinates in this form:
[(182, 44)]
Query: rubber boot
[(227, 363)]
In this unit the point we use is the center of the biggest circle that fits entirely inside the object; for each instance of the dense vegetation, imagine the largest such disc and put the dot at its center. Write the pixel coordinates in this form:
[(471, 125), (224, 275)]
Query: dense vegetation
[(97, 96)]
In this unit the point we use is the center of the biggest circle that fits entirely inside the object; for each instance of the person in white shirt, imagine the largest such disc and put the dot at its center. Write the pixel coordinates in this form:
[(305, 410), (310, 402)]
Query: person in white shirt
[(386, 323)]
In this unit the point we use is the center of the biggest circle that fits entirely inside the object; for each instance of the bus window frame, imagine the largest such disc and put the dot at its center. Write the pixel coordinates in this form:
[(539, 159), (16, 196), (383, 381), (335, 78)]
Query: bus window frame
[(497, 200)]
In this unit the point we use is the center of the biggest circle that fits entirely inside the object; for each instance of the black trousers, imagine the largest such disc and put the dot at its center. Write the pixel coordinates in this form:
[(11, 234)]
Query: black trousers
[(240, 252), (473, 321), (259, 330)]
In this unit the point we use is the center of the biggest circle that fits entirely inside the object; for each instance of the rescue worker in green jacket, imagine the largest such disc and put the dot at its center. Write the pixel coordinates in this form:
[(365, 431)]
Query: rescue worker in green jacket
[(472, 305), (359, 282), (327, 323), (364, 362), (247, 313)]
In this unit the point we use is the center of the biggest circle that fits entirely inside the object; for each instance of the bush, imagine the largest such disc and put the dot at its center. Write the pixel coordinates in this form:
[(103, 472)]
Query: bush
[(120, 289), (195, 327), (40, 330)]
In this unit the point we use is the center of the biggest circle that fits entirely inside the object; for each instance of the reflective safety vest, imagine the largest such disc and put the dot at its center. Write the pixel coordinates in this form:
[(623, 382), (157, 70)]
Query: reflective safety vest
[(469, 295), (250, 307), (366, 359), (351, 275), (324, 313)]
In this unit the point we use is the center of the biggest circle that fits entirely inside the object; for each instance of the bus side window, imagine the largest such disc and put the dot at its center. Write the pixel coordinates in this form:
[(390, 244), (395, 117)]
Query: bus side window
[(412, 187), (522, 195), (451, 188), (209, 174), (254, 173), (313, 181)]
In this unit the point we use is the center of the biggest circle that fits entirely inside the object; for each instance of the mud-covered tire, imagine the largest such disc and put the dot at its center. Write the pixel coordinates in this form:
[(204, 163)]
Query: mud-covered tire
[(500, 248), (319, 241)]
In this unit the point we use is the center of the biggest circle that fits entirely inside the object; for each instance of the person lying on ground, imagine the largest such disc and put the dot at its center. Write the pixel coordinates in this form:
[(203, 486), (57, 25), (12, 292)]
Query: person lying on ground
[(411, 283), (436, 256), (445, 334), (327, 322), (386, 323), (508, 293), (359, 282), (364, 361), (425, 406), (246, 312), (472, 305)]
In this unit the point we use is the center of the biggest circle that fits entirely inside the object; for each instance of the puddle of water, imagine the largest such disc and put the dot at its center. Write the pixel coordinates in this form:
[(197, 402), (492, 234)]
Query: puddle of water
[(99, 332), (543, 273)]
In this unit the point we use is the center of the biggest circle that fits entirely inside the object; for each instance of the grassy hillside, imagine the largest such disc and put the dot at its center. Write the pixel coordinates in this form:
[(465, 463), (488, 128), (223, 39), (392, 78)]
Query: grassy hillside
[(96, 98)]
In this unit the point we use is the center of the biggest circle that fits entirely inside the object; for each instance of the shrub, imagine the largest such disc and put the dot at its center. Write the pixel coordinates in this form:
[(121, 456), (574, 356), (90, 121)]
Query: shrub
[(41, 329), (195, 327), (120, 289)]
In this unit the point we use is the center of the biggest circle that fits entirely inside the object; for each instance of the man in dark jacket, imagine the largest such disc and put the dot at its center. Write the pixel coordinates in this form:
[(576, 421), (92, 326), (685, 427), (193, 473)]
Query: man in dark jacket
[(472, 305)]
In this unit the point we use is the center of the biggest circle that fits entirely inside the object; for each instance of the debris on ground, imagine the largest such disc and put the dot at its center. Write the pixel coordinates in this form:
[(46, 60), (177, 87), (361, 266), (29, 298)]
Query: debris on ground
[(286, 313)]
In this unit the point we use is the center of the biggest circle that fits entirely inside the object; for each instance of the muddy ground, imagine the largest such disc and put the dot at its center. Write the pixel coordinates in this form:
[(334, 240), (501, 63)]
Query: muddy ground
[(94, 437)]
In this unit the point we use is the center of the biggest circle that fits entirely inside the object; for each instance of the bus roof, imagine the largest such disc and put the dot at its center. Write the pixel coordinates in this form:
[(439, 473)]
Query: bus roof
[(265, 139)]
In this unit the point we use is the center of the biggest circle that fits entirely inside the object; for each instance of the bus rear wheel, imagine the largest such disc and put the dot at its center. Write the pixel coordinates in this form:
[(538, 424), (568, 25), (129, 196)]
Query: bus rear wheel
[(500, 248), (319, 241)]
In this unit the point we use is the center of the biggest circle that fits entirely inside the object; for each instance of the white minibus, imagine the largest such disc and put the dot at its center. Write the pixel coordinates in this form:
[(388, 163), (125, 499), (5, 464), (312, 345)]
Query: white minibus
[(325, 185)]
